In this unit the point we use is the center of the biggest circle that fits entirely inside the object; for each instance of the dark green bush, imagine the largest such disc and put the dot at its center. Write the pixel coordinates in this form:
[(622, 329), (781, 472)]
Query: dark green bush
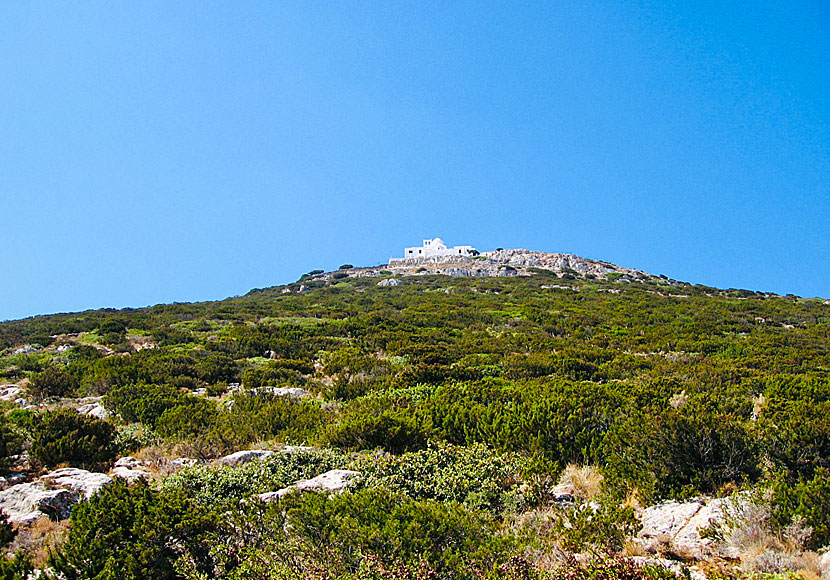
[(346, 530), (808, 501), (65, 436), (134, 533), (53, 382), (377, 422), (144, 403), (679, 454)]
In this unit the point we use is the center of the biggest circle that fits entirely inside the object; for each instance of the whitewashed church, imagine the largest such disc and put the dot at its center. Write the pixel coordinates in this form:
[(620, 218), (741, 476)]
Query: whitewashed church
[(437, 247)]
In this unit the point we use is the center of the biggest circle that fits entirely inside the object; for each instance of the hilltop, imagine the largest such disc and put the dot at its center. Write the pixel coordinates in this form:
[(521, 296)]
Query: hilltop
[(518, 262)]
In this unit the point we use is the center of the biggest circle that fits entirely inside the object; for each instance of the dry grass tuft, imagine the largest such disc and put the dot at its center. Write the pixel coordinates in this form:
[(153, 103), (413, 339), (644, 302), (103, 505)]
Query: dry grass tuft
[(38, 538), (586, 480)]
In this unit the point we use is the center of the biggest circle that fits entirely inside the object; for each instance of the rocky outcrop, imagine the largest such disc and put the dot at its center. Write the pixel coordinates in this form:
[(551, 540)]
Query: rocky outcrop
[(80, 481), (129, 469), (25, 503), (11, 479), (243, 457), (95, 409), (334, 481), (676, 527), (183, 462), (290, 392), (10, 392), (390, 282), (497, 263)]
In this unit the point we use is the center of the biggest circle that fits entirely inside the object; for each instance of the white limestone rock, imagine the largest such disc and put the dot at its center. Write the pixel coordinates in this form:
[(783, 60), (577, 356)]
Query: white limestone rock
[(824, 564), (10, 392), (28, 349), (331, 481), (662, 522), (129, 475), (96, 410), (11, 479), (128, 462), (688, 541), (677, 526), (563, 494), (243, 457), (80, 481), (334, 481), (290, 392), (292, 449), (25, 503), (390, 282)]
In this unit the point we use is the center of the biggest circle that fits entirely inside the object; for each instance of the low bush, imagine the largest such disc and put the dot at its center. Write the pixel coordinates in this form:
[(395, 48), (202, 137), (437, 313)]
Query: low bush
[(223, 486), (474, 476), (65, 436), (53, 382), (134, 532)]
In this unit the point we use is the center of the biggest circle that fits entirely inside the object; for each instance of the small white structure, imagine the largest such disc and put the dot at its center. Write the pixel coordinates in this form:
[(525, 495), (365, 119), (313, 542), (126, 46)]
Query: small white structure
[(437, 247)]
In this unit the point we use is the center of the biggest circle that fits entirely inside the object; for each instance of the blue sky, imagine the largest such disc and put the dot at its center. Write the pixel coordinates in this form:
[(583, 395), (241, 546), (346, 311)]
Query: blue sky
[(179, 151)]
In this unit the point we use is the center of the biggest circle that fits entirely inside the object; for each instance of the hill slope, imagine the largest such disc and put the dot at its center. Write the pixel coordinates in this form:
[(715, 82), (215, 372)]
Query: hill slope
[(477, 389)]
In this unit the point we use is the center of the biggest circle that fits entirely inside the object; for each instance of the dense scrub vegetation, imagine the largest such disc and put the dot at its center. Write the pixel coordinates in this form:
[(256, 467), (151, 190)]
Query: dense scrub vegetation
[(460, 399)]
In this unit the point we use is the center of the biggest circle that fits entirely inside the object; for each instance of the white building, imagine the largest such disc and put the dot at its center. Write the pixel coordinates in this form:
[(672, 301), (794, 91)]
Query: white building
[(437, 247)]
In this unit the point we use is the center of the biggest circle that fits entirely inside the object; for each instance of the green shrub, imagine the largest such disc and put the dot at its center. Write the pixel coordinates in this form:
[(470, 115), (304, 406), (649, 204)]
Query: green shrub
[(194, 418), (808, 501), (587, 528), (65, 436), (144, 403), (132, 533), (346, 530), (475, 476), (681, 454), (11, 435), (222, 486), (53, 382)]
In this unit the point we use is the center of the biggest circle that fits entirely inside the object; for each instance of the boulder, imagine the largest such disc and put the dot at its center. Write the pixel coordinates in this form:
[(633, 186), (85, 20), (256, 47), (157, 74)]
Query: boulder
[(676, 526), (390, 282), (824, 564), (96, 410), (291, 392), (243, 457), (665, 520), (26, 502), (11, 479), (688, 540), (128, 462), (292, 449), (10, 392), (563, 494), (334, 481), (129, 475), (28, 349), (80, 481)]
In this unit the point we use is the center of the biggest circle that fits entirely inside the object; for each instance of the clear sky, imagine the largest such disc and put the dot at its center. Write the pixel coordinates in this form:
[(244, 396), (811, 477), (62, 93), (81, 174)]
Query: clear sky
[(179, 151)]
